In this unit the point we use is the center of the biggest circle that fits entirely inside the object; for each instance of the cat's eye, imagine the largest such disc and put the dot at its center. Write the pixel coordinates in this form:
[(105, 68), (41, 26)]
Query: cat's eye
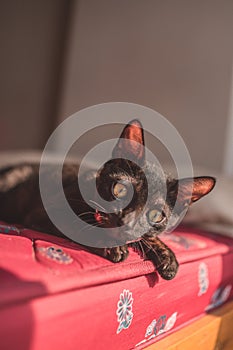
[(155, 216), (119, 190)]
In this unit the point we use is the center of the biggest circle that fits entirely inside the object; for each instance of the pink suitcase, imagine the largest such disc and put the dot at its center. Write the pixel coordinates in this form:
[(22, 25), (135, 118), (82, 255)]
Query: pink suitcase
[(55, 295)]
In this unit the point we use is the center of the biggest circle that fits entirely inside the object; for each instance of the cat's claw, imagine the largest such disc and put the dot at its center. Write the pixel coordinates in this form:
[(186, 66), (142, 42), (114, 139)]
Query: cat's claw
[(117, 254)]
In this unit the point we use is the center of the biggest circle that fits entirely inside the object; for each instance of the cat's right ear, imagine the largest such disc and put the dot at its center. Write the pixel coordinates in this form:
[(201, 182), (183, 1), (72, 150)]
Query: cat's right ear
[(131, 143), (193, 189)]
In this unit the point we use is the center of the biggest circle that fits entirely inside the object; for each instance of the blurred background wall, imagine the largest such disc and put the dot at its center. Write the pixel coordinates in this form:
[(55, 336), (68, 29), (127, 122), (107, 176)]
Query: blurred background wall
[(32, 39), (173, 56)]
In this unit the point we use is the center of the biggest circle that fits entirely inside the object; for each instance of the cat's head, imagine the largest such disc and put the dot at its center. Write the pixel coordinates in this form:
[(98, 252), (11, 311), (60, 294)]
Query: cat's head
[(139, 204)]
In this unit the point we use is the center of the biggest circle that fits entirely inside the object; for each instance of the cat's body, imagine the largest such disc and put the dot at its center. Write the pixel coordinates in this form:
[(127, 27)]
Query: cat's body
[(141, 220)]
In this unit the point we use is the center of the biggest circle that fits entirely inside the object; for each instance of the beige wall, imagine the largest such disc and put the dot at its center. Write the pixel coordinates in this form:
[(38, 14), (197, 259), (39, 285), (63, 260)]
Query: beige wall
[(174, 56), (58, 56), (32, 37)]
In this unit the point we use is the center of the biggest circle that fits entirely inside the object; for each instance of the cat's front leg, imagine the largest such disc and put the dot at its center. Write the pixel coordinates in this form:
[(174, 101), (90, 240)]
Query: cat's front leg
[(161, 255), (115, 254)]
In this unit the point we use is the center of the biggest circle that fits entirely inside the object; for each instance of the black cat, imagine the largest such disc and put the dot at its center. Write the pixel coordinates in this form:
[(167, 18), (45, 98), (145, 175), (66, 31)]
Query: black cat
[(139, 222)]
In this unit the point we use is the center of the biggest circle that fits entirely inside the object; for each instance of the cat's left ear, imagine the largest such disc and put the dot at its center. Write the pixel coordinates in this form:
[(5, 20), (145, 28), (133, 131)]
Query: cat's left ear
[(193, 189), (131, 143)]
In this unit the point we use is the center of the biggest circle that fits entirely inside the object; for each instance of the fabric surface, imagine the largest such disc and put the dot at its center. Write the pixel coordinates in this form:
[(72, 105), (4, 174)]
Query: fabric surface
[(55, 295)]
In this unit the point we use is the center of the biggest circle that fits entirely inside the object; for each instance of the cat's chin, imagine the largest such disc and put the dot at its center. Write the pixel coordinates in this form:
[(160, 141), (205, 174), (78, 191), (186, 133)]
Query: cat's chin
[(121, 237), (133, 240)]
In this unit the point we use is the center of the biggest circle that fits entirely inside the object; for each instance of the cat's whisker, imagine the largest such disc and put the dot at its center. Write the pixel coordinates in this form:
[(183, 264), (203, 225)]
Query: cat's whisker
[(129, 166), (93, 226), (89, 227), (88, 220), (150, 247), (86, 213), (146, 243), (98, 205), (142, 249)]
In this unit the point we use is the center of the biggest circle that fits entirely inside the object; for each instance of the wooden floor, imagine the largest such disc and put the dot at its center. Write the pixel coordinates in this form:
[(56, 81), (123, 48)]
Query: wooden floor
[(212, 332)]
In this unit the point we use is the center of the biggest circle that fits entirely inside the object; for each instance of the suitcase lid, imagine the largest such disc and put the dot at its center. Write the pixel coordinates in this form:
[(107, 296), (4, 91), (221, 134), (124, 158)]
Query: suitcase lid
[(34, 264)]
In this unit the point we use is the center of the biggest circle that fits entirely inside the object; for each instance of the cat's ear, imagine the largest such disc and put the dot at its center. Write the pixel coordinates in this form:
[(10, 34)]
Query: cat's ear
[(193, 189), (131, 143)]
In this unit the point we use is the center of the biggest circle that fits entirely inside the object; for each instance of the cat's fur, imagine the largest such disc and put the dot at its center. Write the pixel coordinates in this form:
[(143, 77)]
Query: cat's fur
[(20, 200)]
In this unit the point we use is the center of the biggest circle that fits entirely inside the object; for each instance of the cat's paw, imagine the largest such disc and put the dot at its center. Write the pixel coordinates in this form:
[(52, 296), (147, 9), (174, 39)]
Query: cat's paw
[(161, 255), (168, 267), (117, 254)]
